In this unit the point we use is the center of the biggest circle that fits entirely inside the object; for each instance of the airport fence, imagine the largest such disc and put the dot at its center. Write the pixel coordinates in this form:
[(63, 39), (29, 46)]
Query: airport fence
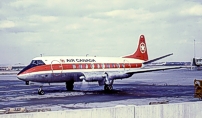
[(177, 110)]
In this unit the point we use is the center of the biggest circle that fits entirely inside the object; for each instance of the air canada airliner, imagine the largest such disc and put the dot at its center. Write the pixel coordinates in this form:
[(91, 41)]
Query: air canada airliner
[(104, 70)]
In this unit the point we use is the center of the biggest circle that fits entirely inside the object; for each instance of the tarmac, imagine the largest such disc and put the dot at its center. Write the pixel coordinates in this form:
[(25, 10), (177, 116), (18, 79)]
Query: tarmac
[(171, 86)]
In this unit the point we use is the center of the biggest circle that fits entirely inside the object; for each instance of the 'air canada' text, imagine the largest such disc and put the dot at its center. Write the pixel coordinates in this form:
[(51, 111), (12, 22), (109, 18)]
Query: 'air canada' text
[(81, 60)]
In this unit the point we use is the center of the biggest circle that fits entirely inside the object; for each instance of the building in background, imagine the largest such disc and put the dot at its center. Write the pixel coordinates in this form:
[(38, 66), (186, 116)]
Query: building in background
[(197, 62), (16, 67), (4, 68)]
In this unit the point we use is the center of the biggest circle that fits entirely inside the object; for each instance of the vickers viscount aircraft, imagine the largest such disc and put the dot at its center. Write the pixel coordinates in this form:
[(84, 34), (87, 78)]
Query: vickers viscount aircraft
[(104, 70)]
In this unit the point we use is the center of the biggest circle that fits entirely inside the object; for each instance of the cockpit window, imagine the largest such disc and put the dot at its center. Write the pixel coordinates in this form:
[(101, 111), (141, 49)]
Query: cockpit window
[(37, 62), (34, 63)]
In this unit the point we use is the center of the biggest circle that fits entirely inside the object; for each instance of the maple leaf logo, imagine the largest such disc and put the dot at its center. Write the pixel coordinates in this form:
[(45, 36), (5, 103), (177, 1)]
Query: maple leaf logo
[(143, 47)]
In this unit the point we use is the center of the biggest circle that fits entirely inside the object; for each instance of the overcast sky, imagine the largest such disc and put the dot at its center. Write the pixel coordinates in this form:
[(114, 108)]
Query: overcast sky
[(29, 28)]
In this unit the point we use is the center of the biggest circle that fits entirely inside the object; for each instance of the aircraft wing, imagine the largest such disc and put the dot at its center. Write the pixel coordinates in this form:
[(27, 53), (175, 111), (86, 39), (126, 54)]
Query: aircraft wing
[(143, 70)]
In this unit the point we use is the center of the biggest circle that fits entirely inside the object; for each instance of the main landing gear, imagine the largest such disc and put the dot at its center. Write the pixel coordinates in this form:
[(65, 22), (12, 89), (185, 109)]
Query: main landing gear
[(108, 87), (27, 83), (70, 85), (108, 83)]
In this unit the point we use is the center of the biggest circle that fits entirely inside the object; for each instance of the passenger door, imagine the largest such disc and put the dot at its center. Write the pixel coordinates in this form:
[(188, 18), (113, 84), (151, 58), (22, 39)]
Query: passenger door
[(57, 68)]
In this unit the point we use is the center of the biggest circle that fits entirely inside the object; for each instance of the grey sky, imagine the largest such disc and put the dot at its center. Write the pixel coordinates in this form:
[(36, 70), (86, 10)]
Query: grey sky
[(29, 28)]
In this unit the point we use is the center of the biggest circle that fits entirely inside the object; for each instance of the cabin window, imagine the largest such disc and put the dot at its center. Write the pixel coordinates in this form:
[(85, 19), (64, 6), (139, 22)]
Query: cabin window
[(74, 66), (92, 66), (103, 66), (123, 65), (118, 65), (113, 65), (108, 66), (83, 66), (80, 66), (98, 66)]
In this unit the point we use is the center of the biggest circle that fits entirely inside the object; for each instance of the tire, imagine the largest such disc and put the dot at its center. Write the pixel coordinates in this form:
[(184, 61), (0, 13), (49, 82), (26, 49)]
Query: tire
[(41, 92), (108, 87), (27, 82), (70, 86)]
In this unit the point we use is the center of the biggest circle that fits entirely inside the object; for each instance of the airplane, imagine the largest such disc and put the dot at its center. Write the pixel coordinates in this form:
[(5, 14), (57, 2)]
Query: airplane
[(104, 70)]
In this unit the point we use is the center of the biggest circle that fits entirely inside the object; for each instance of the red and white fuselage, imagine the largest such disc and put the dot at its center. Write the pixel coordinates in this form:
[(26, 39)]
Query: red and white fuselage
[(72, 69), (61, 68)]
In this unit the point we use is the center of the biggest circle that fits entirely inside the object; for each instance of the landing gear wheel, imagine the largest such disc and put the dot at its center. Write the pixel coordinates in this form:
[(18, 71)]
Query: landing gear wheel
[(108, 87), (27, 82), (40, 91), (69, 86)]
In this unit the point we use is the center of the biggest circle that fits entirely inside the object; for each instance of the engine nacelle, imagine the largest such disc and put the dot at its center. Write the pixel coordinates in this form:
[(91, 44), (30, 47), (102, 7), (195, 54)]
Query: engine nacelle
[(117, 75), (90, 77)]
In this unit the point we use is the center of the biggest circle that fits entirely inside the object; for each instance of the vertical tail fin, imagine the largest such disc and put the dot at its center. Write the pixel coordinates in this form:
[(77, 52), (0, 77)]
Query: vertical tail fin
[(141, 52)]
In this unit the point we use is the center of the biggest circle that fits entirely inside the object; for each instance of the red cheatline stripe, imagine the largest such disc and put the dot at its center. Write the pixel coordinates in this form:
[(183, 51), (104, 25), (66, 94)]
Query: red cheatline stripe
[(82, 66)]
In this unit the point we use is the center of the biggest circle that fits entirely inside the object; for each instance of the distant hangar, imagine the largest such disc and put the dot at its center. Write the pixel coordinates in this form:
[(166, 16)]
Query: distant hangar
[(16, 67)]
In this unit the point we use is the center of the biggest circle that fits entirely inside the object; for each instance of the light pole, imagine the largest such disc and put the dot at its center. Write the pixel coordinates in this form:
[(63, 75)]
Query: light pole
[(194, 48)]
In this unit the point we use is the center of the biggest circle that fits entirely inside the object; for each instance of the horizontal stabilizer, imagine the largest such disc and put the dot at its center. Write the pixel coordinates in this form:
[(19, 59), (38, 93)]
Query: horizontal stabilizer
[(153, 60), (152, 69)]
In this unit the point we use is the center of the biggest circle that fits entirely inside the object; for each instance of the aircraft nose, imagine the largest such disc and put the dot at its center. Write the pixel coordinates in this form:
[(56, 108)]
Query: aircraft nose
[(21, 77)]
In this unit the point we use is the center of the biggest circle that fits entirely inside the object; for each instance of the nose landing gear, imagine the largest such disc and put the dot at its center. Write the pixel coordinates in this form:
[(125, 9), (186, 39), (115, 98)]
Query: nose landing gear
[(40, 91)]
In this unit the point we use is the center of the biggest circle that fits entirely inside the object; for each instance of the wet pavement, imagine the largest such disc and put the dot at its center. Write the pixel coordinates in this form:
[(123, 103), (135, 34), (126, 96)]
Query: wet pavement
[(173, 85)]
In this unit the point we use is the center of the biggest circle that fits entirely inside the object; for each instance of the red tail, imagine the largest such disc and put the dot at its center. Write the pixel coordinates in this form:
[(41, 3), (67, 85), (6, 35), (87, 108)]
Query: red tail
[(141, 52)]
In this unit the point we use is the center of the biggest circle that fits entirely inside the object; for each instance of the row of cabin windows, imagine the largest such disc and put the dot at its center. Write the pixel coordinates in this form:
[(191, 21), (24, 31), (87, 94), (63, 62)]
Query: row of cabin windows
[(98, 66)]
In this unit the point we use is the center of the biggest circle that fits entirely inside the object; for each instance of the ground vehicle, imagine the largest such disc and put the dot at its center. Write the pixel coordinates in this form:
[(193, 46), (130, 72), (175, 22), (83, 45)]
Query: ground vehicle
[(198, 89)]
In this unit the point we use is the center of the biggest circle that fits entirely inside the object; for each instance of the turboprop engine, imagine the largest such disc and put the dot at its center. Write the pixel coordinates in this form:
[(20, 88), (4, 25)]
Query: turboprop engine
[(91, 77), (104, 76)]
